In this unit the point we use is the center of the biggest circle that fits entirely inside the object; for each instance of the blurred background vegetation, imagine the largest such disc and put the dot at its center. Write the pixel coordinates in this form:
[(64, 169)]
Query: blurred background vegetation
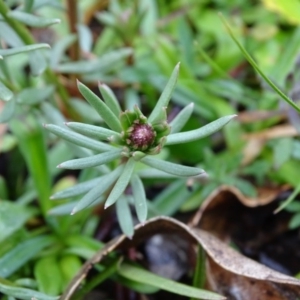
[(133, 46)]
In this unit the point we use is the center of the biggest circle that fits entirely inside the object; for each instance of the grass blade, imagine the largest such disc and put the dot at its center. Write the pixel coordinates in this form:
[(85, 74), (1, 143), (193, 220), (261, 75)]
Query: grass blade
[(193, 135), (256, 67), (103, 110), (146, 277)]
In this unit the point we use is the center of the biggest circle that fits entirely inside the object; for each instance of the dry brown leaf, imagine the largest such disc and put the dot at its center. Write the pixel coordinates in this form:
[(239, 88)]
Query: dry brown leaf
[(226, 267), (273, 133)]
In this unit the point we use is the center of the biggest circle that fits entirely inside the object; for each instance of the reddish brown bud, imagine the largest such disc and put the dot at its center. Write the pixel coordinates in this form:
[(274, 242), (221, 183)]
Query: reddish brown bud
[(142, 136)]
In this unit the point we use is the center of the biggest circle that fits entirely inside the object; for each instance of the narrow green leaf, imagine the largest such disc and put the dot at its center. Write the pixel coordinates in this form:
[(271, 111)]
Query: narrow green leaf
[(288, 200), (154, 173), (146, 277), (63, 209), (8, 111), (32, 144), (165, 97), (103, 110), (101, 64), (5, 93), (33, 96), (28, 5), (92, 131), (78, 139), (48, 275), (174, 169), (121, 183), (91, 161), (32, 20), (76, 190), (124, 216), (17, 50), (99, 190), (193, 135), (37, 62), (12, 217), (139, 197), (256, 67), (110, 99), (180, 120), (13, 290), (200, 269), (59, 48), (21, 254), (85, 38)]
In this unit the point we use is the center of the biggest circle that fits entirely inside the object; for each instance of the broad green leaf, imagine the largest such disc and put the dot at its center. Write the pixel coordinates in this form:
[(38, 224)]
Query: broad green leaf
[(22, 49), (69, 265), (139, 197), (59, 49), (99, 190), (37, 62), (180, 120), (92, 131), (91, 161), (100, 64), (121, 183), (193, 135), (103, 110), (76, 190), (32, 20), (12, 217), (146, 277), (21, 254), (124, 216), (174, 169), (33, 96), (5, 93), (8, 288), (78, 139), (289, 9), (165, 97), (8, 111), (48, 275), (257, 69), (110, 99), (32, 143), (294, 222)]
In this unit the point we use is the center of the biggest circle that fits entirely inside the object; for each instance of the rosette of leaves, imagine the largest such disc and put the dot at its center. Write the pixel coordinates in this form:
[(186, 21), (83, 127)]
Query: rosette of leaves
[(130, 139)]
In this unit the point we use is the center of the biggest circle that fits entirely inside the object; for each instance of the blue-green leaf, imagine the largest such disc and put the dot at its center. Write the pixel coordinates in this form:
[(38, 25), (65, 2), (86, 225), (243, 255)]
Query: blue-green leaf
[(5, 93), (37, 61), (103, 110), (124, 216), (91, 161), (171, 168), (165, 97), (193, 135), (180, 120), (32, 20), (22, 49), (110, 99), (99, 190), (92, 131), (78, 139), (121, 183), (139, 197)]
